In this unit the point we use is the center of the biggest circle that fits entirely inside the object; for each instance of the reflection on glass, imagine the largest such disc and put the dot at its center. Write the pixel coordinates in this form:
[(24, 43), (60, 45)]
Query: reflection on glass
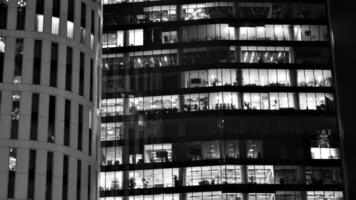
[(205, 55), (323, 175)]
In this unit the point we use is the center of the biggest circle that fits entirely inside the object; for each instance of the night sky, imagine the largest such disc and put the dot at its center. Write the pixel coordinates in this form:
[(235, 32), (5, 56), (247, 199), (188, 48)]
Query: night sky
[(344, 24)]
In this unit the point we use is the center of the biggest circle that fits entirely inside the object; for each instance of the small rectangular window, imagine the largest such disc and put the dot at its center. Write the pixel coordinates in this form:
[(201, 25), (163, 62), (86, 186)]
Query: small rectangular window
[(65, 177), (67, 113), (79, 176), (80, 127), (36, 78), (69, 69), (2, 55), (49, 174), (15, 114), (71, 7), (81, 74), (70, 29), (89, 182), (18, 61), (39, 22), (55, 25), (83, 15), (56, 8), (135, 37), (54, 65), (91, 80), (12, 171), (40, 7), (21, 14), (51, 118), (34, 116), (31, 175), (92, 24), (3, 14)]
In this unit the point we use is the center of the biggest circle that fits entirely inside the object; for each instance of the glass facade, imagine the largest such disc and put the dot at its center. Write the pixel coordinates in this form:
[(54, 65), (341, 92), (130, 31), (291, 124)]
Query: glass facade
[(218, 100)]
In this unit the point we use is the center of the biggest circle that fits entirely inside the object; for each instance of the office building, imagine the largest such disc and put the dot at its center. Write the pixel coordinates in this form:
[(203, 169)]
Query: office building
[(230, 100), (49, 58)]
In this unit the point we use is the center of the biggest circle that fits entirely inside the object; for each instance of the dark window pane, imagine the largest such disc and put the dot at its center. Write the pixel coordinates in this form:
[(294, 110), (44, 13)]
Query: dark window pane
[(34, 116), (49, 174), (37, 62), (54, 65)]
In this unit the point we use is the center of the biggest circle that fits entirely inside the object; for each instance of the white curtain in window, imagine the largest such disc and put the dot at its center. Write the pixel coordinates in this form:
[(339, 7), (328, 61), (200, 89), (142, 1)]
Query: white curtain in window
[(39, 23), (55, 25), (70, 29)]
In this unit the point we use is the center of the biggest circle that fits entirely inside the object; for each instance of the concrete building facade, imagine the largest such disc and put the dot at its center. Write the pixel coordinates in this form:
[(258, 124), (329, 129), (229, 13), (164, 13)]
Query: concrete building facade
[(49, 75)]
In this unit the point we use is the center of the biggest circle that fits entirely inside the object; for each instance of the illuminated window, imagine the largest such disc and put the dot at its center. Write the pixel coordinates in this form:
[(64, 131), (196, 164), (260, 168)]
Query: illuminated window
[(316, 101), (12, 159), (55, 25), (324, 153), (211, 175), (135, 37), (207, 10), (314, 78), (260, 174), (110, 180), (2, 45), (70, 29), (265, 55), (39, 23), (154, 178), (152, 197), (161, 13), (328, 195), (111, 131), (208, 32), (268, 101)]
